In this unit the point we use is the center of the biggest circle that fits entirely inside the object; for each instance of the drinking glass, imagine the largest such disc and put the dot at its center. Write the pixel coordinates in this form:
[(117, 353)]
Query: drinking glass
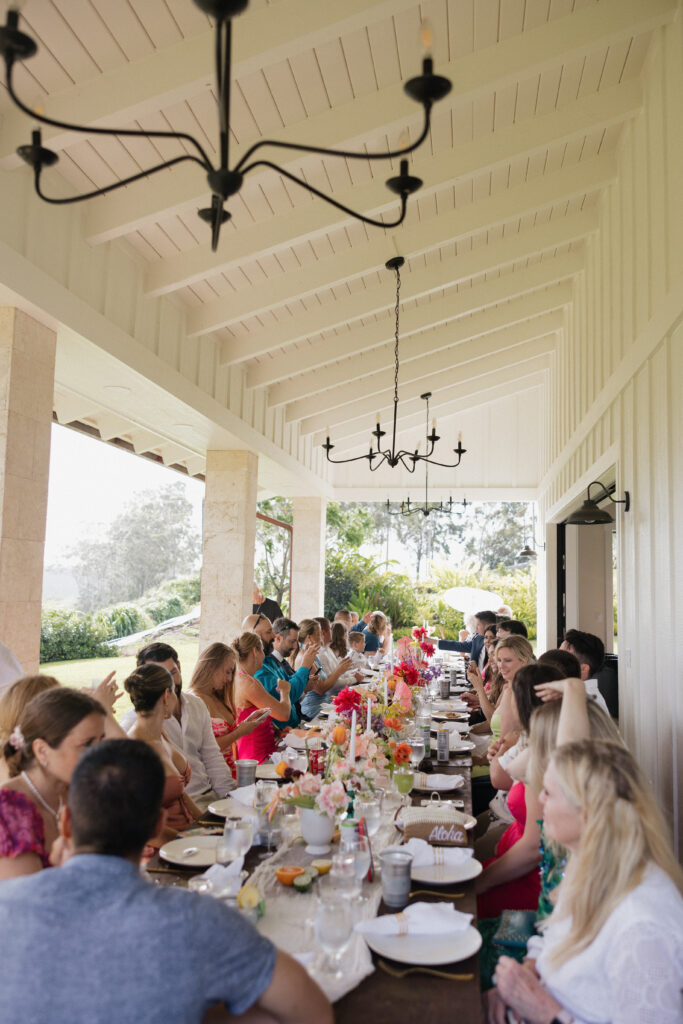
[(404, 779), (360, 848), (334, 920), (237, 837), (368, 807), (417, 744)]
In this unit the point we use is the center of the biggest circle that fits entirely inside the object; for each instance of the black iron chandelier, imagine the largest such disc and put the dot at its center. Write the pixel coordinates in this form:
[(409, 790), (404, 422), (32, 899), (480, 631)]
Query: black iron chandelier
[(406, 508), (223, 180), (377, 457)]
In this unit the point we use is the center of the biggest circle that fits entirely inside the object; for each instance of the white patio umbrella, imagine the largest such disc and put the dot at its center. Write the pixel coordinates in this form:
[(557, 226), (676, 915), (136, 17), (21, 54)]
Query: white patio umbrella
[(469, 600)]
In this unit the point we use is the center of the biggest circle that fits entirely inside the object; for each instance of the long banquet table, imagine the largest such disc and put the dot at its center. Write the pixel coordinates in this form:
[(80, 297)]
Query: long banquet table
[(380, 995)]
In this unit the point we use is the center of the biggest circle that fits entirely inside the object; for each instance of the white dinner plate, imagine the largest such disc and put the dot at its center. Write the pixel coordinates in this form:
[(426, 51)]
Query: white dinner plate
[(450, 705), (266, 771), (426, 949), (450, 716), (446, 874), (229, 808), (463, 747), (176, 852)]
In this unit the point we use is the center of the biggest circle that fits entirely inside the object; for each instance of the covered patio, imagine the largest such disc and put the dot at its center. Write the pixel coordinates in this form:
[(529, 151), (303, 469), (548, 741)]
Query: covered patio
[(541, 300)]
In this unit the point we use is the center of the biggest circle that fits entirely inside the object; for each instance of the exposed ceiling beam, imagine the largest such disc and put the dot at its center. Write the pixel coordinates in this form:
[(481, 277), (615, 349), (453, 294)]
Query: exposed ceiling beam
[(419, 283), (535, 134), (528, 309), (262, 36), (416, 375), (450, 307), (355, 122), (437, 383), (415, 238)]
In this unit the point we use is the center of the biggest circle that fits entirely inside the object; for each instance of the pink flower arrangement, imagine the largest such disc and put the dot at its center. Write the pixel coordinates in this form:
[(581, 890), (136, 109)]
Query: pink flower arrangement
[(347, 700), (332, 799)]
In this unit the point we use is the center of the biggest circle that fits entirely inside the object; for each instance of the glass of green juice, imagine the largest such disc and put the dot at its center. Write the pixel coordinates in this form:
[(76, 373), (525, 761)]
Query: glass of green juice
[(404, 778)]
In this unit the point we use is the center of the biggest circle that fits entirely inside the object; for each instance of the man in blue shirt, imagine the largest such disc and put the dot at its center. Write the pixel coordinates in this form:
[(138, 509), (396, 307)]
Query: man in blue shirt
[(275, 666), (93, 941), (474, 647)]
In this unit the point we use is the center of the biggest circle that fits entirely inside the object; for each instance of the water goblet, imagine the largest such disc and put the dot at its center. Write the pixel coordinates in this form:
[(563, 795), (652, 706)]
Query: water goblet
[(404, 779), (334, 920), (417, 745), (238, 834), (368, 807)]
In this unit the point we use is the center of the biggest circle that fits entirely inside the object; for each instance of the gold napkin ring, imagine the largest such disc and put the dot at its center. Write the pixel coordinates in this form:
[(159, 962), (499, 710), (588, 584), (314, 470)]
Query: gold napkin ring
[(402, 922)]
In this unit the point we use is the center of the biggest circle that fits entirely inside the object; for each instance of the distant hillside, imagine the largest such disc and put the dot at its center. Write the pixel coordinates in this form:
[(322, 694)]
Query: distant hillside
[(59, 586)]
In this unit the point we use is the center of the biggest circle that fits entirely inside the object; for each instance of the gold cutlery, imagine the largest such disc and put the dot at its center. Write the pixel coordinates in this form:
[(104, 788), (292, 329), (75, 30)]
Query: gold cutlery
[(422, 970), (437, 892)]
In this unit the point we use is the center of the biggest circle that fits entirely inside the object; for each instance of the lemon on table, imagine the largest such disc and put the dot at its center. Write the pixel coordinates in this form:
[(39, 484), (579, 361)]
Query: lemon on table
[(250, 898), (323, 866)]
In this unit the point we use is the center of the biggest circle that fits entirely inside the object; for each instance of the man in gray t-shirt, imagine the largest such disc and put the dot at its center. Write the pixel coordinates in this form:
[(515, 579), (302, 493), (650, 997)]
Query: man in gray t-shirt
[(93, 941)]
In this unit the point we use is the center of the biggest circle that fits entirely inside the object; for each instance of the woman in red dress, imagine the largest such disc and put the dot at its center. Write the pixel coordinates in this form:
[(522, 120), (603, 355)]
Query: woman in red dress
[(250, 694)]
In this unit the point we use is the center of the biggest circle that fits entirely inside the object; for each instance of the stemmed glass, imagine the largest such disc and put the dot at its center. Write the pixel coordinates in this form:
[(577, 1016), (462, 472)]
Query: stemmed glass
[(334, 922), (368, 807), (264, 793), (404, 778), (417, 745)]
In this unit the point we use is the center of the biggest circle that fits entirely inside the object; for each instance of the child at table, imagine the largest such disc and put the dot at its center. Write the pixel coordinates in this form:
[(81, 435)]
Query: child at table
[(356, 648)]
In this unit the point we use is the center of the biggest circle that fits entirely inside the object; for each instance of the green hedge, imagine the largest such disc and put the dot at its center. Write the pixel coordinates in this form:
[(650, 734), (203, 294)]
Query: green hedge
[(67, 635), (357, 583)]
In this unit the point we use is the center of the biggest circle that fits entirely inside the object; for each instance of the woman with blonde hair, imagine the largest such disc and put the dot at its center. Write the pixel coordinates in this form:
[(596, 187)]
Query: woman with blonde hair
[(310, 633), (12, 703), (612, 950), (249, 695), (213, 680)]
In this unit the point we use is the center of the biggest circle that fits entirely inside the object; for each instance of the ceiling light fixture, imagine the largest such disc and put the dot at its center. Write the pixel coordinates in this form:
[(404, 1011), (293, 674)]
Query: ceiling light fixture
[(223, 180), (393, 456), (427, 507), (590, 515)]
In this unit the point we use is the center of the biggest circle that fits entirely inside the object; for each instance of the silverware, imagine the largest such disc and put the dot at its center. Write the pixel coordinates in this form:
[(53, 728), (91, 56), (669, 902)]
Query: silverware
[(189, 852), (422, 970), (437, 892)]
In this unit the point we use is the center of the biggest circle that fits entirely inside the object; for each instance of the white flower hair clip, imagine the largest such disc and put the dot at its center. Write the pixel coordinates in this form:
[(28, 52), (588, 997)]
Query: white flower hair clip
[(16, 738)]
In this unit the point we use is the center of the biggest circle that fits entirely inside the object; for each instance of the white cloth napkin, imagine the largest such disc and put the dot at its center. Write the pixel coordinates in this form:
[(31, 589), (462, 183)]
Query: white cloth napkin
[(296, 742), (438, 782), (451, 726), (425, 855), (245, 795), (420, 919), (456, 742)]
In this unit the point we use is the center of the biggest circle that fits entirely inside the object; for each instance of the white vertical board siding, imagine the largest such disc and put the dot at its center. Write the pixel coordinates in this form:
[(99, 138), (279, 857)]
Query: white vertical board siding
[(618, 389)]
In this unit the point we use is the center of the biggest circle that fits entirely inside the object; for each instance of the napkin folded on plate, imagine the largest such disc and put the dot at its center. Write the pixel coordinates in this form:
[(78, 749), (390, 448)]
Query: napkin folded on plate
[(437, 781), (451, 726), (418, 919), (426, 856), (244, 795)]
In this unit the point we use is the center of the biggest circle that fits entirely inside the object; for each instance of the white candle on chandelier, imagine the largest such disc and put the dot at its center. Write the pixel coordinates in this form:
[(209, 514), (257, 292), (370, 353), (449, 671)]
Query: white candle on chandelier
[(352, 744)]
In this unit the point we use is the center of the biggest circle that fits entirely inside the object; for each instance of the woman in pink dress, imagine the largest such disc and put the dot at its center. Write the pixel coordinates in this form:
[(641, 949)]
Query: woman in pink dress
[(213, 680), (250, 694), (54, 729)]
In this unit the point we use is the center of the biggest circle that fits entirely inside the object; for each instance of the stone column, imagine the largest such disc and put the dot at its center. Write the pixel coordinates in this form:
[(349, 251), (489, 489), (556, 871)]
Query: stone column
[(308, 558), (27, 382), (229, 540)]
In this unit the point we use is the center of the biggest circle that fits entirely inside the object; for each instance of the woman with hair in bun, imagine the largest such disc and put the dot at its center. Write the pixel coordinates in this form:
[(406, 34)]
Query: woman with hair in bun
[(153, 696), (250, 695), (41, 752), (612, 950)]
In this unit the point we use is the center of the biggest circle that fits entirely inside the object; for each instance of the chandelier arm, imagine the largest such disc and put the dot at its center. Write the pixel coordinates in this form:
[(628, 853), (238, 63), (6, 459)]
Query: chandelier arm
[(328, 199), (111, 188), (405, 458), (346, 153), (444, 465), (341, 462), (374, 466), (131, 132)]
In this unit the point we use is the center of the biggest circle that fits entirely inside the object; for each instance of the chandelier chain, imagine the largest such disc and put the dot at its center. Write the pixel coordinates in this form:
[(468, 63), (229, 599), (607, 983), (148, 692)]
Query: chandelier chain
[(398, 292)]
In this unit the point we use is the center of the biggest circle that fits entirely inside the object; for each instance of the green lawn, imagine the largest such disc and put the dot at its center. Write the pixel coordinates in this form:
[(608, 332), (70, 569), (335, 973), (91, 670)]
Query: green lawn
[(81, 673)]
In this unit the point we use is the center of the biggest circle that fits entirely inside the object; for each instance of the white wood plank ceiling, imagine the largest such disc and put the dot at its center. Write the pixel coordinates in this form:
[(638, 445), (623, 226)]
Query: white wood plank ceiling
[(297, 297)]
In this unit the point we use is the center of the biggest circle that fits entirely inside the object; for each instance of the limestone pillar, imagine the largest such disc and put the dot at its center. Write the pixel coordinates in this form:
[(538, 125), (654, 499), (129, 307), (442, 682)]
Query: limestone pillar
[(308, 558), (27, 381), (229, 541)]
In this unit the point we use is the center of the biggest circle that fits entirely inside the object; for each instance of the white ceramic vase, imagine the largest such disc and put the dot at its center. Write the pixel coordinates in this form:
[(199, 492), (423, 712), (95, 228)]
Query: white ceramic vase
[(317, 830)]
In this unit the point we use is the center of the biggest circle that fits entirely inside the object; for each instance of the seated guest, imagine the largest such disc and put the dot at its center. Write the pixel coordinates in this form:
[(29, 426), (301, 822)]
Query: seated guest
[(339, 639), (345, 617), (213, 682), (309, 635), (95, 942), (265, 605), (590, 651), (189, 730), (511, 627), (329, 659), (263, 627), (612, 950), (571, 667), (356, 650), (276, 666), (12, 703), (510, 880), (251, 694), (153, 697), (354, 620), (474, 647), (41, 753), (377, 634)]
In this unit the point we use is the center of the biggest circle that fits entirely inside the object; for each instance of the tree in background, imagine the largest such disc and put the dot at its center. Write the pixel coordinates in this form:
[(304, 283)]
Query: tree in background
[(150, 541), (495, 534), (273, 545), (425, 536)]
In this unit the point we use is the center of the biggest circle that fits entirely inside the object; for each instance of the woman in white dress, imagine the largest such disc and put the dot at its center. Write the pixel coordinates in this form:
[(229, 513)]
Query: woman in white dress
[(612, 950)]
